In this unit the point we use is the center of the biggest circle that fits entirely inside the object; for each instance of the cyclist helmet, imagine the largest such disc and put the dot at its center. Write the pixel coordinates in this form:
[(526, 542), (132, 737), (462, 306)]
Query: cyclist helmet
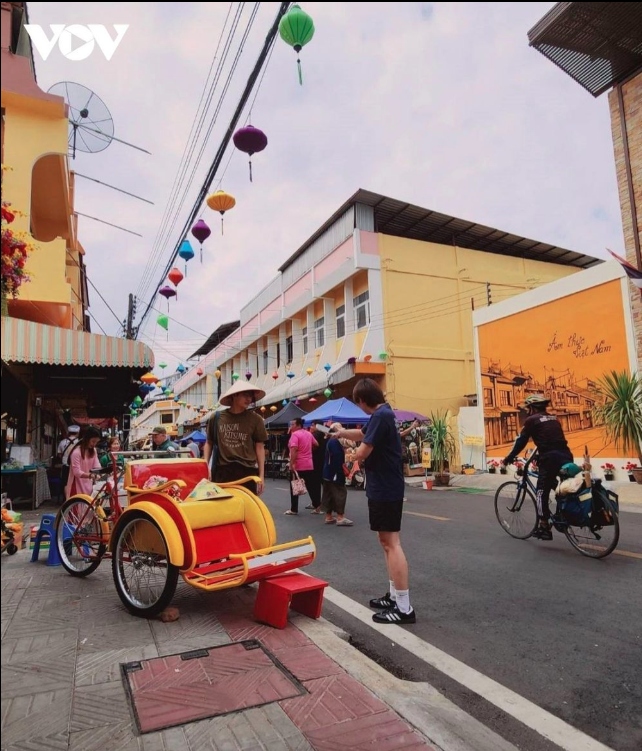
[(535, 399)]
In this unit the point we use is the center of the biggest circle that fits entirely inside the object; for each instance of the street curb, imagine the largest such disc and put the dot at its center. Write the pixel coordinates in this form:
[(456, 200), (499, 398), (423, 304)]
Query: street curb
[(438, 719)]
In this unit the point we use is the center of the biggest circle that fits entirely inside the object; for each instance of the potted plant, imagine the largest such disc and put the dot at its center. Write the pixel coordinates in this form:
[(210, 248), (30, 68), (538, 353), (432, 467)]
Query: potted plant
[(629, 467), (519, 466), (621, 413), (493, 464), (609, 471), (444, 446)]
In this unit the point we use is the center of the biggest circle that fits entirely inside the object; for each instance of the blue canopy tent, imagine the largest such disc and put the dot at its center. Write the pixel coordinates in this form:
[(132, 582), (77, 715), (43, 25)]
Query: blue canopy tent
[(338, 410), (197, 436)]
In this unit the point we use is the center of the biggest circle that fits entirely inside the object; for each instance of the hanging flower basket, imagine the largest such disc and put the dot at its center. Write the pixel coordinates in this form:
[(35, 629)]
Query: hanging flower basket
[(16, 247)]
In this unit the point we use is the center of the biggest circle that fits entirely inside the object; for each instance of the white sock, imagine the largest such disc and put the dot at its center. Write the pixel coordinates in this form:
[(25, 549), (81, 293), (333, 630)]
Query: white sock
[(393, 591), (403, 601)]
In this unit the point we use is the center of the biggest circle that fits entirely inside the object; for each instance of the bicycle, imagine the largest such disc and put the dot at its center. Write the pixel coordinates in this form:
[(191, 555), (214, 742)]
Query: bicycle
[(594, 535), (84, 523)]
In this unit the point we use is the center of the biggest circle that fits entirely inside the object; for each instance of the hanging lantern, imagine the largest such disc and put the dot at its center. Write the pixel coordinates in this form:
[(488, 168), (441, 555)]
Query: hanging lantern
[(327, 367), (290, 374), (275, 375), (235, 377), (180, 368), (296, 29), (262, 409), (163, 322), (167, 292), (176, 398), (217, 375), (201, 232), (149, 378), (352, 360), (175, 277), (250, 140), (297, 402), (327, 393), (221, 202), (367, 358), (312, 400), (284, 403), (309, 371), (137, 401), (199, 371), (186, 252), (248, 375), (273, 409), (162, 365), (383, 355)]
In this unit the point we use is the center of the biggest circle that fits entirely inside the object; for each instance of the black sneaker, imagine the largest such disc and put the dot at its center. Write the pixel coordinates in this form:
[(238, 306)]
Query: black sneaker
[(394, 615), (383, 603), (543, 533)]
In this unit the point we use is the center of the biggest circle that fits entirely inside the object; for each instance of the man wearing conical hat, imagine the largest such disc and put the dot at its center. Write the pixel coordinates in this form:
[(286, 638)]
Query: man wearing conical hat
[(237, 436)]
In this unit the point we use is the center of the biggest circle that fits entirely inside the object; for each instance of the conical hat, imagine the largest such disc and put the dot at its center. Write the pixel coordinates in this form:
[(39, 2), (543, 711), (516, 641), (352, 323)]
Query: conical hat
[(238, 388)]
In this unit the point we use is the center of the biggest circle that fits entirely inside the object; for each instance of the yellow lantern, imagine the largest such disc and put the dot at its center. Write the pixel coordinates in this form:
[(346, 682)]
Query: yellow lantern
[(217, 374), (272, 408), (221, 202), (309, 371)]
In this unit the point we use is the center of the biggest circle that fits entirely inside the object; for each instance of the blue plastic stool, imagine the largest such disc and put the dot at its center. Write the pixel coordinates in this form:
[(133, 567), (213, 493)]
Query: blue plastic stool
[(47, 527)]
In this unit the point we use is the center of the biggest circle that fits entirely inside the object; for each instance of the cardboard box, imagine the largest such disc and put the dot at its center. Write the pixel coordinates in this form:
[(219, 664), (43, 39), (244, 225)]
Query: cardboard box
[(413, 471)]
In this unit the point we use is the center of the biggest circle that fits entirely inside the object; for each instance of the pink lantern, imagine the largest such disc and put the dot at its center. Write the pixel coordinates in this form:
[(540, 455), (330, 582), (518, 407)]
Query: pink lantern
[(201, 232), (250, 140)]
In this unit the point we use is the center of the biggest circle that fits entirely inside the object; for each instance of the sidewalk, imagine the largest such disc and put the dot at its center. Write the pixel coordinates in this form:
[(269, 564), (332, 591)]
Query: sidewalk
[(64, 640)]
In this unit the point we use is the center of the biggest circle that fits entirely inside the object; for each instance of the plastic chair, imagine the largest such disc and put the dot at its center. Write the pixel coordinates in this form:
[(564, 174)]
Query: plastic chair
[(47, 527)]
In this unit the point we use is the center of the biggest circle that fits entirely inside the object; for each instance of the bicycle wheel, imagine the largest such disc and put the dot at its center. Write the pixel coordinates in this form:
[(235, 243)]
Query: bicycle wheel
[(516, 510), (144, 577), (595, 541), (79, 537)]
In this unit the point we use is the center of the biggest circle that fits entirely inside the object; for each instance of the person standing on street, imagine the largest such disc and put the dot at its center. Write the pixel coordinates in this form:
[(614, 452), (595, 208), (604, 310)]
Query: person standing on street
[(318, 457), (380, 452), (82, 459), (301, 445), (335, 493)]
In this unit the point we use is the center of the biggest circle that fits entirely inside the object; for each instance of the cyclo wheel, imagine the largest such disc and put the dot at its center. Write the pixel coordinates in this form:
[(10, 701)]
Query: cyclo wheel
[(11, 549), (144, 577), (595, 542), (516, 510), (79, 537)]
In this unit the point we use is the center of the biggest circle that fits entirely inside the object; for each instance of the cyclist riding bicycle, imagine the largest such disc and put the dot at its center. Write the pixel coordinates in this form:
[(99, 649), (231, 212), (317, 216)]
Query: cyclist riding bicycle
[(553, 452)]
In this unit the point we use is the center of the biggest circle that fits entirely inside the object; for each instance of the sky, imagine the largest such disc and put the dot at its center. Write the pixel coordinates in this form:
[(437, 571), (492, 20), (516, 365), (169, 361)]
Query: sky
[(442, 105)]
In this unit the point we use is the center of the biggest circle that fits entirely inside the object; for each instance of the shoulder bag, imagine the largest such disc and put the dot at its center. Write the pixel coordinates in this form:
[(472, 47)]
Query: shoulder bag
[(298, 484)]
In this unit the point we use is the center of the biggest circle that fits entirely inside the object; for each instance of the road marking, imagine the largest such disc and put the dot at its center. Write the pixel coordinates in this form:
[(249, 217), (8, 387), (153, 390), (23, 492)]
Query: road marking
[(428, 516), (542, 722), (627, 553)]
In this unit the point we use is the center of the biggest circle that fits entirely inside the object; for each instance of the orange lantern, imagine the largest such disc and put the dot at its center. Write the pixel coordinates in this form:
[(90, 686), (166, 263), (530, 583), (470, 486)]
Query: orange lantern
[(149, 378), (221, 202)]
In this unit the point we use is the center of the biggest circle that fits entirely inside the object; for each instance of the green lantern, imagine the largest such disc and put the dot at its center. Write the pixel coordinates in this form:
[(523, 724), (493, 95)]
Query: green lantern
[(235, 377), (137, 400), (296, 29), (327, 393)]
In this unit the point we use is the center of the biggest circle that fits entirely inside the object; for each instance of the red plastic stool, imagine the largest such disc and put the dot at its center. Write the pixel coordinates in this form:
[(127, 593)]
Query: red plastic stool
[(279, 593)]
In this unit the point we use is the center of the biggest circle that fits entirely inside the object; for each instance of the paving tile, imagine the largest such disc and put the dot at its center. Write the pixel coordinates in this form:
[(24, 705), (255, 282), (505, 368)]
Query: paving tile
[(333, 699), (274, 639), (38, 720), (100, 705), (40, 648), (105, 608), (384, 731), (189, 627), (41, 670), (94, 668), (53, 606), (118, 736), (307, 662), (100, 637)]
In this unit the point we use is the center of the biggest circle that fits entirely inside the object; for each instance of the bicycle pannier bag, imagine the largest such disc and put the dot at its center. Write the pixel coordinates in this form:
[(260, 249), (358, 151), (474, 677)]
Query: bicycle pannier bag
[(576, 507), (298, 485), (602, 514)]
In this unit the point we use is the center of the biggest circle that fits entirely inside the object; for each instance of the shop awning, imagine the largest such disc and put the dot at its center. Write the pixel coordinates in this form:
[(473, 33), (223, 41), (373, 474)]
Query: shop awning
[(29, 342)]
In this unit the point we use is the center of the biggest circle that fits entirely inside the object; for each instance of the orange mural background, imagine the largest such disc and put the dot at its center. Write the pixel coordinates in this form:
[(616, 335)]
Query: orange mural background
[(560, 348)]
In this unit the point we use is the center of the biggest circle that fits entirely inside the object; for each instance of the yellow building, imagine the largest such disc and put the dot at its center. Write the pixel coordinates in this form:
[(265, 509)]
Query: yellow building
[(54, 369), (385, 289)]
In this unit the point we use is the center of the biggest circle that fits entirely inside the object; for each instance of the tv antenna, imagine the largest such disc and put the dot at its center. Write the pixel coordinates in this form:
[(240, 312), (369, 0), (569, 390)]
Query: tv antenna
[(91, 127)]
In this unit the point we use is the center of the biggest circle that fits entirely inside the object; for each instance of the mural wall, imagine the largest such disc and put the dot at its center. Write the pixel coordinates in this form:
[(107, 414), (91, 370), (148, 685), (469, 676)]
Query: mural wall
[(560, 348)]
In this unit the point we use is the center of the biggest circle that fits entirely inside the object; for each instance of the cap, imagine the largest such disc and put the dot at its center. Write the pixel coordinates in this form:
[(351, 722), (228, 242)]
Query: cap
[(160, 430), (238, 388), (73, 429)]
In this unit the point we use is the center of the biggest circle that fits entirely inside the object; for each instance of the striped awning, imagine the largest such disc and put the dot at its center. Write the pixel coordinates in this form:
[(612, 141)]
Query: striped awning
[(30, 342)]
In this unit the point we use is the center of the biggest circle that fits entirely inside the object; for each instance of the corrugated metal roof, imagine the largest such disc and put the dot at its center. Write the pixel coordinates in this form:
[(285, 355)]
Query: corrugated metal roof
[(222, 332), (597, 44), (30, 342), (401, 219)]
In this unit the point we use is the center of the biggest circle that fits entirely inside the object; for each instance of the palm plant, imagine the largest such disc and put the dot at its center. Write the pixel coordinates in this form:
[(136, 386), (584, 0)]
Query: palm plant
[(442, 440), (621, 411)]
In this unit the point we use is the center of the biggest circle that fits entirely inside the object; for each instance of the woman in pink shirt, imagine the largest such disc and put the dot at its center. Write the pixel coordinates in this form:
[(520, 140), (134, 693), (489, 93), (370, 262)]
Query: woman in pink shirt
[(83, 458), (301, 444)]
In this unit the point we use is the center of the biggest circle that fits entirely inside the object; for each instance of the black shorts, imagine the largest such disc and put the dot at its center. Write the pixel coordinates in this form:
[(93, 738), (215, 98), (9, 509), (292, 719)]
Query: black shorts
[(385, 516)]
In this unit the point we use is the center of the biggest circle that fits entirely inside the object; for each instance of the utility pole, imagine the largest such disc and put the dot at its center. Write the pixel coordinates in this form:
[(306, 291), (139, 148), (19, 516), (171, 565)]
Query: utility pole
[(130, 333)]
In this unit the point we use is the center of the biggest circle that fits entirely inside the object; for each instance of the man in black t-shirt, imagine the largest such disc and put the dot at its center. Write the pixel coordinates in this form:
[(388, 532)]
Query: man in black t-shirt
[(553, 452)]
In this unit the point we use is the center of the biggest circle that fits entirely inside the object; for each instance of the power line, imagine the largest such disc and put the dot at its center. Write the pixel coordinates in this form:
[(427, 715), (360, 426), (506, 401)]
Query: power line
[(269, 40), (84, 269)]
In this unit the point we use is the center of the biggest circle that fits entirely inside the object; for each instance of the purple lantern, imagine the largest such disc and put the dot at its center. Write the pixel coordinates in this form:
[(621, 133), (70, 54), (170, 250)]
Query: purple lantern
[(167, 292), (251, 140), (248, 375), (201, 232)]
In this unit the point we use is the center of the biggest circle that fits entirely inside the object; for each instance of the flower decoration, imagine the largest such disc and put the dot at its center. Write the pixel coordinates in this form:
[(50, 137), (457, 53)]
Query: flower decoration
[(630, 466), (608, 467), (16, 247)]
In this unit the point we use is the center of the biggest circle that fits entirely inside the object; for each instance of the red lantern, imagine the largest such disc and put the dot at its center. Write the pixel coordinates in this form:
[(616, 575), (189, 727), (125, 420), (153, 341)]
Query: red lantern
[(199, 371), (251, 140), (175, 277), (275, 375)]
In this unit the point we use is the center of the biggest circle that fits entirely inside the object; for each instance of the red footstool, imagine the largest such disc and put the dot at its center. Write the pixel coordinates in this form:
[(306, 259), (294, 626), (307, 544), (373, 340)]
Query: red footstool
[(279, 593)]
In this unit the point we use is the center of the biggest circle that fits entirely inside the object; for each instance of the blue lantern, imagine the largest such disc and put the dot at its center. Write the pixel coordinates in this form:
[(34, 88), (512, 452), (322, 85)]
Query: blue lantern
[(181, 368), (327, 367), (186, 252)]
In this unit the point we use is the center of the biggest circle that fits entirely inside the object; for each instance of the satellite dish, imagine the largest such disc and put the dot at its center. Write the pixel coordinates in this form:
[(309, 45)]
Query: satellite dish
[(91, 128)]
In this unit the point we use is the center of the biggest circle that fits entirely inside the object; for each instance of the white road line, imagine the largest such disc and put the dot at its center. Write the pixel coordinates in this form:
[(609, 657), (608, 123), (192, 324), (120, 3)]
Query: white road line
[(542, 722)]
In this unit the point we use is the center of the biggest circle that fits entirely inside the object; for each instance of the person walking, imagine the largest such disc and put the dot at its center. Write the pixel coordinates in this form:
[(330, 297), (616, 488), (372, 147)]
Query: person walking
[(161, 441), (82, 459), (335, 493), (318, 458), (239, 435), (301, 445), (380, 452)]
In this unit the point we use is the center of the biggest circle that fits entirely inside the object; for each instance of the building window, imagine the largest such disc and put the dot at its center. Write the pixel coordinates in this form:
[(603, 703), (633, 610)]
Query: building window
[(319, 332), (362, 310), (341, 321), (304, 332), (488, 398), (505, 399), (289, 349), (265, 362), (167, 418)]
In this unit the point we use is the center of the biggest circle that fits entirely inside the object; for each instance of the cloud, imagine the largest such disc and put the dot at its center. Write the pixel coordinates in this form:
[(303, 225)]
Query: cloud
[(439, 104)]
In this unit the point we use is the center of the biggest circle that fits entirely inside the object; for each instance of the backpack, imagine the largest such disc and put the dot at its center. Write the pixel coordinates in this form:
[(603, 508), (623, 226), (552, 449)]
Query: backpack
[(67, 451)]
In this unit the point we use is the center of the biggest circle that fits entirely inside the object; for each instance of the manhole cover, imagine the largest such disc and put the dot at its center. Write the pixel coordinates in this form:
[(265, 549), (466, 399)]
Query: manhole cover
[(168, 691)]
